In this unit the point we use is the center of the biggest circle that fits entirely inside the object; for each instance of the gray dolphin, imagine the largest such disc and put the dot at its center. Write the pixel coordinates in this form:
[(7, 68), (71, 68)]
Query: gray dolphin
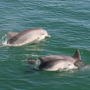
[(26, 36), (59, 62)]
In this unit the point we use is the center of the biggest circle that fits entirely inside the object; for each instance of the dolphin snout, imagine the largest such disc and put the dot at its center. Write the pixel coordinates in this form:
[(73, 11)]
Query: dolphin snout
[(48, 36)]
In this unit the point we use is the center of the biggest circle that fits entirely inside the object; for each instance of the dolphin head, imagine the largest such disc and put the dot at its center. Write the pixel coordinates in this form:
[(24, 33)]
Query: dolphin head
[(43, 35)]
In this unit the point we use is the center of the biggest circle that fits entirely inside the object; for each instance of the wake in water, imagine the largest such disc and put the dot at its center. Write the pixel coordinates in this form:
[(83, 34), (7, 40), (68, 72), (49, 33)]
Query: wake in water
[(86, 68), (3, 41)]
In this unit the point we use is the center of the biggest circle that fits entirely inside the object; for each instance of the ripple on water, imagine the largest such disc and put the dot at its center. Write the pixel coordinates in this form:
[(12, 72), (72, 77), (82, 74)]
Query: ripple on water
[(67, 21)]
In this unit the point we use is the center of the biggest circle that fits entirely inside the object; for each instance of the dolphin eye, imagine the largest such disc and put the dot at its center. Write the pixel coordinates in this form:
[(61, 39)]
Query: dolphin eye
[(42, 33)]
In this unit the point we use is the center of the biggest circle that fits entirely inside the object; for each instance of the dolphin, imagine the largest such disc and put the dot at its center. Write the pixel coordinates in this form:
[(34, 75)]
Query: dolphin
[(26, 36), (59, 62)]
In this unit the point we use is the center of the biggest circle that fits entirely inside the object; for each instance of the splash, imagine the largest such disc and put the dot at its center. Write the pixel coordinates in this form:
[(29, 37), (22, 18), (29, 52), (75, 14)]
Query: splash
[(3, 41)]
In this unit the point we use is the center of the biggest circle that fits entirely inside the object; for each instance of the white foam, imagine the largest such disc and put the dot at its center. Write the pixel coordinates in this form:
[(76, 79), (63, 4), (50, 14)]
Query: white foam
[(3, 41)]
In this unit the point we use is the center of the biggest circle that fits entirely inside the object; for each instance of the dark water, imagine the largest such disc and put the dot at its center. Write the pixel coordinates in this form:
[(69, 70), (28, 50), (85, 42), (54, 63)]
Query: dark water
[(68, 21)]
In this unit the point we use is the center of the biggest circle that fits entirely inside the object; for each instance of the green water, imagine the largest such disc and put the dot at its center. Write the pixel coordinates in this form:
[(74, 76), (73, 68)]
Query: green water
[(68, 21)]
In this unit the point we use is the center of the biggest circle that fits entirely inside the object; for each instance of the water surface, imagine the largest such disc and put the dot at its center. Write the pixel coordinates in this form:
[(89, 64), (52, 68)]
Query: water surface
[(68, 21)]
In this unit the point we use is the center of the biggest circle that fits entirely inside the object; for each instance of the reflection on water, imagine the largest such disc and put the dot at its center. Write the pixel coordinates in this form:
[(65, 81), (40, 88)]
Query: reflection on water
[(36, 46)]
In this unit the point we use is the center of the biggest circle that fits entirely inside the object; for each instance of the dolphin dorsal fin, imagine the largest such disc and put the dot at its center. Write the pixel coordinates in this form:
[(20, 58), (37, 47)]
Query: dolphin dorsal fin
[(12, 34), (77, 55)]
